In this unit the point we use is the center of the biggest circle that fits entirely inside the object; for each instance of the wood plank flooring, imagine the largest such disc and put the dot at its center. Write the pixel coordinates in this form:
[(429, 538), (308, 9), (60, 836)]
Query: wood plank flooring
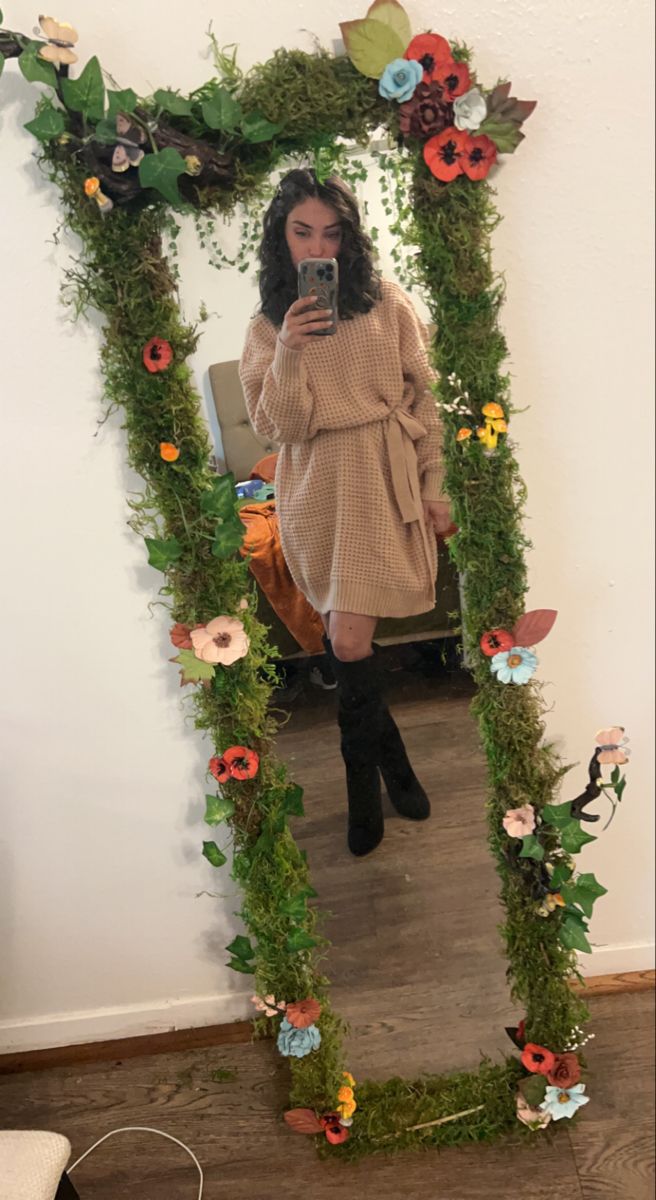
[(417, 970)]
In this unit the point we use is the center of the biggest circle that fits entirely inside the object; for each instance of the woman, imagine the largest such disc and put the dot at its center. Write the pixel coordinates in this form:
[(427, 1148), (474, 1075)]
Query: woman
[(359, 473)]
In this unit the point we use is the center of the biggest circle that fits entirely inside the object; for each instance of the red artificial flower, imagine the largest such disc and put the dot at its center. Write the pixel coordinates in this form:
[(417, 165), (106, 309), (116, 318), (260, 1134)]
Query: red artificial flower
[(444, 152), (521, 1030), (336, 1133), (179, 635), (219, 768), (495, 641), (479, 155), (453, 78), (331, 1118), (303, 1013), (566, 1072), (538, 1059), (242, 763), (432, 51), (157, 354)]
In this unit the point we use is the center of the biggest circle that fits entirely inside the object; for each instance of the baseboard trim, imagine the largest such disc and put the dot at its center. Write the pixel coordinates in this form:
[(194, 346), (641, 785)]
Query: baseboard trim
[(237, 1033)]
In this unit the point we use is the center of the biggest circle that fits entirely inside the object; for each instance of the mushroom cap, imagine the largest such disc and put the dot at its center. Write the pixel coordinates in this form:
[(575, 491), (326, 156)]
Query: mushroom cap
[(493, 410), (501, 426), (91, 185), (463, 434)]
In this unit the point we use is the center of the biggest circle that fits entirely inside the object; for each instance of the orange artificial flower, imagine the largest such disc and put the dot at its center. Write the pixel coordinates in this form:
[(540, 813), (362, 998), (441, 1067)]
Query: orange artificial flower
[(538, 1059), (157, 354), (453, 78), (303, 1013), (219, 768), (480, 153), (242, 763), (168, 451), (432, 51), (444, 153)]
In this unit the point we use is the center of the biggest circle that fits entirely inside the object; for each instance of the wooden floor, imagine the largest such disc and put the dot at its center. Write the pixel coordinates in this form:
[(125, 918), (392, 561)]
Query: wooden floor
[(417, 970)]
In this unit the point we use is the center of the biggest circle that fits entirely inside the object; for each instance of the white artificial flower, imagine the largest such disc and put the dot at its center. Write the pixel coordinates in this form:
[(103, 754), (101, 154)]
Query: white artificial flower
[(469, 110)]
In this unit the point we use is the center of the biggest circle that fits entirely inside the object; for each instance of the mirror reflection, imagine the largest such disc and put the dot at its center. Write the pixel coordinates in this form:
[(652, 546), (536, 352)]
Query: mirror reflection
[(330, 426)]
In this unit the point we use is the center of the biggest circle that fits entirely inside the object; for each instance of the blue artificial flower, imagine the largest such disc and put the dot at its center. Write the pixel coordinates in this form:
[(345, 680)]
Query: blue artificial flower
[(297, 1042), (563, 1102), (400, 78), (514, 666)]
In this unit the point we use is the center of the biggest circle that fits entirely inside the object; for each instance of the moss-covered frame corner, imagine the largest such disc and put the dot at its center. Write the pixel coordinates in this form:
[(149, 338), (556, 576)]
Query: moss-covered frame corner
[(207, 154)]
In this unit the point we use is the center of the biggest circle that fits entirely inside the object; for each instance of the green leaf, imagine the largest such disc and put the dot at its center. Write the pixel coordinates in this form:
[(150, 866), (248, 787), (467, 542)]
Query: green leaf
[(264, 844), (392, 14), (371, 45), (213, 855), (241, 947), (217, 809), (573, 838), (615, 774), (105, 132), (256, 128), (531, 847), (295, 907), (619, 787), (506, 135), (221, 500), (86, 94), (561, 872), (238, 964), (48, 124), (2, 58), (222, 111), (192, 669), (557, 814), (35, 69), (293, 802), (300, 940), (124, 101), (572, 935), (172, 103), (533, 1089), (228, 538), (160, 171), (583, 890), (162, 552)]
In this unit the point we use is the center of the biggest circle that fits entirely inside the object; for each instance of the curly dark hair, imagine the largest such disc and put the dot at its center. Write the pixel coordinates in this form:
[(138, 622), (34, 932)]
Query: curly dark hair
[(359, 281)]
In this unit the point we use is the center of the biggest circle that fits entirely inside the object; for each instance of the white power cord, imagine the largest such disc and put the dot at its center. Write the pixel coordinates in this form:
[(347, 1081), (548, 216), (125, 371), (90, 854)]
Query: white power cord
[(141, 1129)]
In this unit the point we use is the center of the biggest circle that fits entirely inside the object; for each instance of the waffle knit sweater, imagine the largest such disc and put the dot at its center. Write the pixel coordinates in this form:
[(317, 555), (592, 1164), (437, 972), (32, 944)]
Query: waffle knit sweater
[(360, 448)]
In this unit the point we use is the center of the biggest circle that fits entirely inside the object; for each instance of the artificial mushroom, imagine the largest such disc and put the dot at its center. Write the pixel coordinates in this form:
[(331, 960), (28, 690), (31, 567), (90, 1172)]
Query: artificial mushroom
[(463, 434), (92, 189), (495, 423)]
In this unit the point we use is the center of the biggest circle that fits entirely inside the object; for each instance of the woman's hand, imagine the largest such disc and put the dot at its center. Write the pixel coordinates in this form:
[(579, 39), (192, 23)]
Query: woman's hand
[(437, 514), (301, 322)]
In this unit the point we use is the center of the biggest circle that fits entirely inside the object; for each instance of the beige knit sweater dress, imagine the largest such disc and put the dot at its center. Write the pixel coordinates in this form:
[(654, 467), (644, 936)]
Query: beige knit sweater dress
[(360, 448)]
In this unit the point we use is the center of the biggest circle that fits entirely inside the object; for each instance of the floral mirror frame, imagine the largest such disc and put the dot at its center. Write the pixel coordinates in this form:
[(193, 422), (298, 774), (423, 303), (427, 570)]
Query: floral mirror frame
[(125, 167)]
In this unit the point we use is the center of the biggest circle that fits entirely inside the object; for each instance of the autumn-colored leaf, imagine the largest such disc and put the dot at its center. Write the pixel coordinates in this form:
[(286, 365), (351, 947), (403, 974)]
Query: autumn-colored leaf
[(534, 626), (180, 636), (303, 1120), (192, 669)]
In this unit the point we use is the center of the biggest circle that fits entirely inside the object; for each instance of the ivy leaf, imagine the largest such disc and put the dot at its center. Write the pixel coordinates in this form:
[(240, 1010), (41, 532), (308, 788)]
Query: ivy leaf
[(213, 855), (172, 103), (256, 128), (557, 814), (572, 934), (35, 69), (615, 775), (86, 94), (619, 787), (573, 838), (228, 538), (561, 872), (124, 101), (217, 809), (300, 940), (506, 135), (583, 890), (295, 907), (222, 111), (105, 132), (192, 669), (220, 501), (163, 552), (241, 947), (160, 170), (292, 803), (531, 848), (238, 964), (48, 124), (533, 1089), (371, 45)]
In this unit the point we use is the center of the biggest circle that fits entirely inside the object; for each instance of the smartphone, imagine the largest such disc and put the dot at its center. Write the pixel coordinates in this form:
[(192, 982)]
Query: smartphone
[(319, 276)]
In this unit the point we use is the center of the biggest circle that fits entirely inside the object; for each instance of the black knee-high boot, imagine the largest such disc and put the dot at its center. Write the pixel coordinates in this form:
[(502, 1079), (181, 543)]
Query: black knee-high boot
[(403, 788), (359, 717)]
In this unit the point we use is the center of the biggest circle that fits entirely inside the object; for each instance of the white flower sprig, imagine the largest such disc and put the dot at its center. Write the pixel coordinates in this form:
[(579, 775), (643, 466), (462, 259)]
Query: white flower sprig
[(460, 402), (577, 1043)]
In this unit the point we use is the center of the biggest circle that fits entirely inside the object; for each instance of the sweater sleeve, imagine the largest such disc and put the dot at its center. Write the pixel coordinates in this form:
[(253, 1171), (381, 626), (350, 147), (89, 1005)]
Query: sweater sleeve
[(414, 346), (273, 377)]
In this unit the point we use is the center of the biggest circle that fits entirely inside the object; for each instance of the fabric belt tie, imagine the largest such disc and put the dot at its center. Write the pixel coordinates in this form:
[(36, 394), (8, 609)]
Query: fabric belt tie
[(402, 431)]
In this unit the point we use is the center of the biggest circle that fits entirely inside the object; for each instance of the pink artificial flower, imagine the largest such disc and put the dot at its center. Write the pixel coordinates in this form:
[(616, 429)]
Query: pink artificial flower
[(531, 1116), (269, 1006), (222, 640), (518, 822), (612, 745)]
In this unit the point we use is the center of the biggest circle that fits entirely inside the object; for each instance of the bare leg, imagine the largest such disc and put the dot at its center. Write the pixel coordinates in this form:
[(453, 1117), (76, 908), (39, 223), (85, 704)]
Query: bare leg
[(351, 635)]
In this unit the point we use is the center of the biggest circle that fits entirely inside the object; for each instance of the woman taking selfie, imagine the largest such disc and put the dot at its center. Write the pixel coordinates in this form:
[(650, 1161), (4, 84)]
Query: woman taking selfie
[(359, 474)]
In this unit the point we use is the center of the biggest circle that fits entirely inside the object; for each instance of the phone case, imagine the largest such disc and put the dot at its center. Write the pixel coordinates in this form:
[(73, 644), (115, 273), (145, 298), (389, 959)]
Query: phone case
[(320, 275)]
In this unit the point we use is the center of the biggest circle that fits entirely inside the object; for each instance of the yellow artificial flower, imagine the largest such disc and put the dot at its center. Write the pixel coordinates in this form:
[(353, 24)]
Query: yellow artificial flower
[(349, 1078), (347, 1110), (345, 1095)]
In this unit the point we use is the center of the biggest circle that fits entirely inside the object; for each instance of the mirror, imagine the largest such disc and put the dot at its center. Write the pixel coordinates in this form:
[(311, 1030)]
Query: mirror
[(416, 958)]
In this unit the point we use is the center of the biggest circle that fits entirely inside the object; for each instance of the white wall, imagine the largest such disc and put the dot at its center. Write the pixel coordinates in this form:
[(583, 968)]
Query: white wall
[(102, 782)]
